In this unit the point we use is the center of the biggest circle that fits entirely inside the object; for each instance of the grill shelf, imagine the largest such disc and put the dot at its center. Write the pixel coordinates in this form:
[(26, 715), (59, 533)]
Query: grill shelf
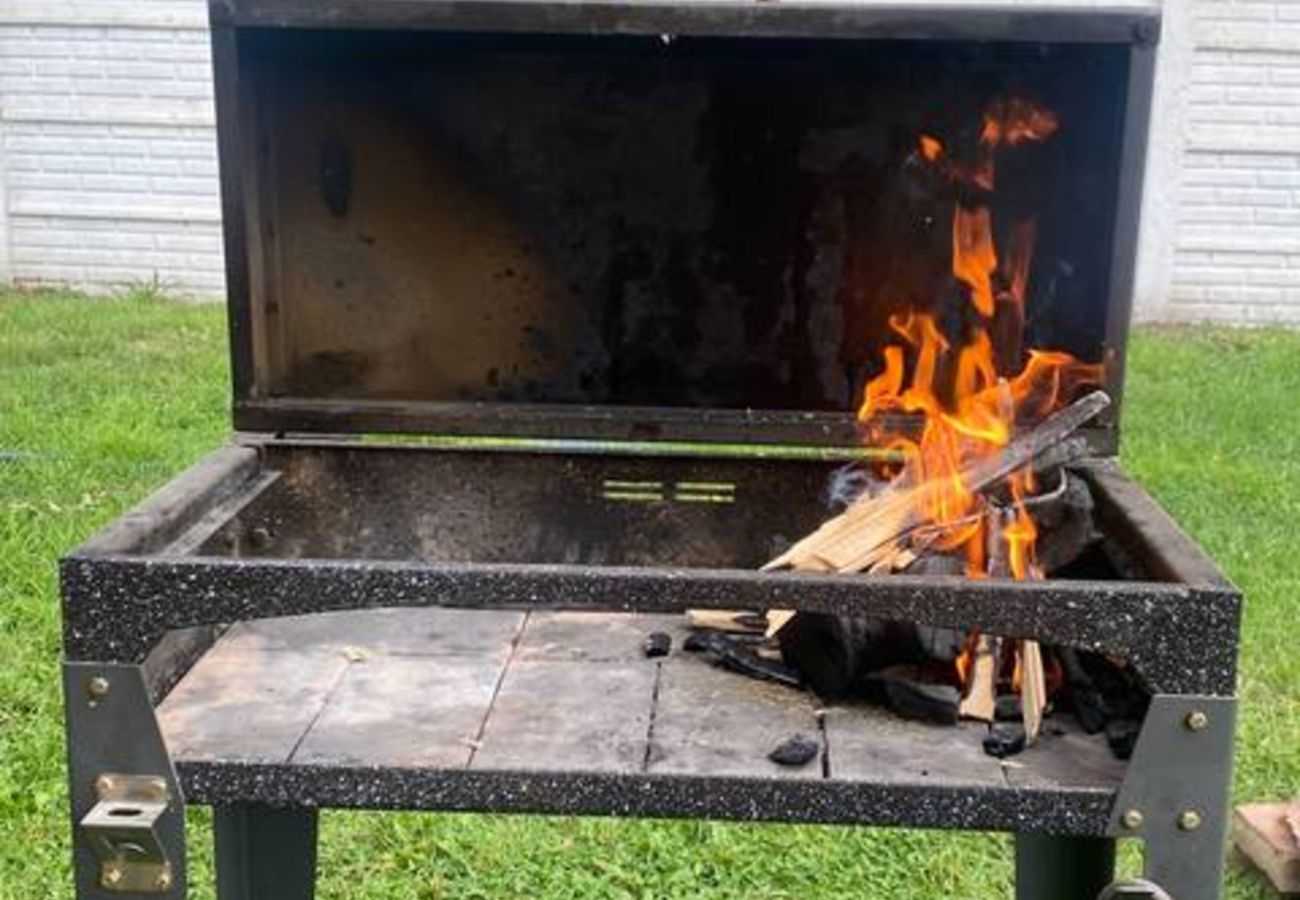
[(561, 713)]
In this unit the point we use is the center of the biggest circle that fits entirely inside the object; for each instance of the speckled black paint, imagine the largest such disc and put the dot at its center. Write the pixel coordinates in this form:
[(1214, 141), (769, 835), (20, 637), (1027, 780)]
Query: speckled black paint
[(1182, 638), (1070, 812)]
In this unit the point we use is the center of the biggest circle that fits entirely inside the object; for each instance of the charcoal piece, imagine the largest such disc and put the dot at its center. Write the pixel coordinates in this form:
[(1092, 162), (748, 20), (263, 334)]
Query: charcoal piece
[(1121, 736), (703, 639), (904, 690), (1090, 710), (1087, 702), (835, 653), (939, 644), (657, 643), (727, 652), (830, 651), (796, 750), (698, 641), (937, 564), (745, 661), (1004, 739), (1066, 527), (1124, 695), (1008, 708)]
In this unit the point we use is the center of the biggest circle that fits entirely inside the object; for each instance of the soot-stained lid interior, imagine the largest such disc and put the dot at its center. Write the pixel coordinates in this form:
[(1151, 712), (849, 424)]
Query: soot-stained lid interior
[(645, 237)]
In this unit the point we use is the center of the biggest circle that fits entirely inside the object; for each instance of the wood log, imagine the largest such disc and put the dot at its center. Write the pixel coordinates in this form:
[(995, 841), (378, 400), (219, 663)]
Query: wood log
[(1033, 689), (853, 540), (980, 700), (1263, 834)]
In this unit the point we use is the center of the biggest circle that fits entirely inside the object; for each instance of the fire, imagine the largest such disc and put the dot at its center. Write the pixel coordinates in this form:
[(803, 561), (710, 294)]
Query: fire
[(973, 257), (960, 386)]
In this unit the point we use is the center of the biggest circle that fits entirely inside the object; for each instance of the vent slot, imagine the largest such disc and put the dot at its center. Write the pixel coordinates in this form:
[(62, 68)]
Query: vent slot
[(630, 491)]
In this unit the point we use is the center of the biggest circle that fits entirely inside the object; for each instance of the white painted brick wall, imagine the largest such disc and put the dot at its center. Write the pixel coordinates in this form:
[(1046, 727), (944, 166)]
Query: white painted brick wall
[(1236, 234), (108, 161), (107, 145)]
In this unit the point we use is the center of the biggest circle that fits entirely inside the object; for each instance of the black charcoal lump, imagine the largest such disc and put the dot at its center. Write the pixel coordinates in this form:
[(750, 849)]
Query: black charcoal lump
[(657, 644), (796, 750), (1004, 739)]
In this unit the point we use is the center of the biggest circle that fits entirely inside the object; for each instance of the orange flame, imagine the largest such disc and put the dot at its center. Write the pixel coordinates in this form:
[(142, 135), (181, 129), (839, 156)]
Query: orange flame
[(973, 256), (966, 409)]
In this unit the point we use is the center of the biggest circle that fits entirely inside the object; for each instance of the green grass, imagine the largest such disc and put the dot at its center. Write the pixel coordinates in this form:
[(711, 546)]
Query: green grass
[(101, 401)]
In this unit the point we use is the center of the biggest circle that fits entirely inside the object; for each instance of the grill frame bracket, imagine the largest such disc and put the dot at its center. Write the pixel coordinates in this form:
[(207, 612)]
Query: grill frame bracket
[(117, 760), (1175, 793)]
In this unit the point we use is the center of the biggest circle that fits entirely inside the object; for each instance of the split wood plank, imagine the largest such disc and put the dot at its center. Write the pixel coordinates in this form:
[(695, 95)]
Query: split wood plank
[(981, 694), (739, 621), (1033, 689)]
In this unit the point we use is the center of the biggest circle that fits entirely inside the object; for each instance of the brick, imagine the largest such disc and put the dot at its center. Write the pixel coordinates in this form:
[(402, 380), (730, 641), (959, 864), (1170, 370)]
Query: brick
[(1277, 216), (1226, 73), (1259, 160), (1217, 177), (1273, 178)]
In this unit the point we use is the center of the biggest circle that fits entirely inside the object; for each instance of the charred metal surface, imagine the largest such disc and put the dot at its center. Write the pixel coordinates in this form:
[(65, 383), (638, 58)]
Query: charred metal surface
[(1129, 22), (172, 657), (609, 532), (1136, 521), (577, 708), (166, 514), (472, 506), (824, 801), (705, 225), (1179, 638)]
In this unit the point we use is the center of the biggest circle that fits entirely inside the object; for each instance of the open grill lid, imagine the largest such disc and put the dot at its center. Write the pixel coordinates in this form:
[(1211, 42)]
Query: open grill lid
[(644, 222)]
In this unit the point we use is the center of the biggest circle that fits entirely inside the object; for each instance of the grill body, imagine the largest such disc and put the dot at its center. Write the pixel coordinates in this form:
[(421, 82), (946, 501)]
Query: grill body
[(629, 265)]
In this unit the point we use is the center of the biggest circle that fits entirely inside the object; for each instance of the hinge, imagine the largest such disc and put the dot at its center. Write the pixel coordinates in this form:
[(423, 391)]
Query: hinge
[(122, 830)]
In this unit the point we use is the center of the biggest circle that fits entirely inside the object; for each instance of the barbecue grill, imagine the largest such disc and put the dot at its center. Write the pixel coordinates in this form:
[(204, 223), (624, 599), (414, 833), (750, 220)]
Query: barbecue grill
[(610, 279)]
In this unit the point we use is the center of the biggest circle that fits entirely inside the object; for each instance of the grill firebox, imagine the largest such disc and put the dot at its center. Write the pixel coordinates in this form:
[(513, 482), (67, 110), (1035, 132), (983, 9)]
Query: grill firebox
[(632, 266)]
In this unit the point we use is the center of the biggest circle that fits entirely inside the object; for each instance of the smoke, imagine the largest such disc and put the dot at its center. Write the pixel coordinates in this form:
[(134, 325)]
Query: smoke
[(847, 484)]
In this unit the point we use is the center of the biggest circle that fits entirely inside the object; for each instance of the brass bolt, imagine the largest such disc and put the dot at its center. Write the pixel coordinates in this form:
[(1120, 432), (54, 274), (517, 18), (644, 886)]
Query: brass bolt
[(111, 875), (104, 785), (1132, 819), (1196, 720), (97, 687), (158, 788), (163, 881), (1189, 820)]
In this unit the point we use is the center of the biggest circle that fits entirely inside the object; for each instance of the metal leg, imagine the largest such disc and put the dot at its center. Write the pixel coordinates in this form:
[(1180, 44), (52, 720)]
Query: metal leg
[(1061, 868), (264, 853), (1175, 793), (1189, 865), (128, 815)]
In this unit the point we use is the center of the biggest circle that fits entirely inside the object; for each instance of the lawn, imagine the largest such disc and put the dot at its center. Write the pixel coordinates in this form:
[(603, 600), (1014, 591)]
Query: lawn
[(101, 401)]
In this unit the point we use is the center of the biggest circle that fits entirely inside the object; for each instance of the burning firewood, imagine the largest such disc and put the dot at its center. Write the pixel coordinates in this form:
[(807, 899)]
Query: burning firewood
[(949, 394), (887, 532), (868, 531)]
